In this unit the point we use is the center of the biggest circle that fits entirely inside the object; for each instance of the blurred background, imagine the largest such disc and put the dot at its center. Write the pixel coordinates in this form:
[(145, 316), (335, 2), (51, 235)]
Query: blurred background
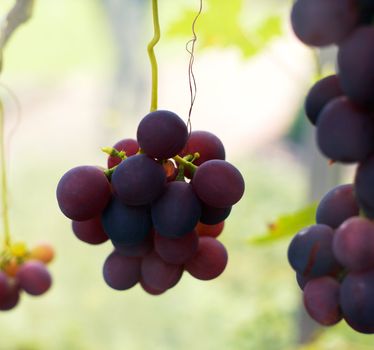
[(80, 72)]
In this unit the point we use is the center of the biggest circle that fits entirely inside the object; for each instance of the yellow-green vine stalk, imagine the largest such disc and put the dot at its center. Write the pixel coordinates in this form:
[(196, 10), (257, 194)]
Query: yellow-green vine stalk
[(4, 189), (152, 56)]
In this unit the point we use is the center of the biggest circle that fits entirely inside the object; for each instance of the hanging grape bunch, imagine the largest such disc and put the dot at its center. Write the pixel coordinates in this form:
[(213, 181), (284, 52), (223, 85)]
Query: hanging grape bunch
[(334, 259), (162, 203)]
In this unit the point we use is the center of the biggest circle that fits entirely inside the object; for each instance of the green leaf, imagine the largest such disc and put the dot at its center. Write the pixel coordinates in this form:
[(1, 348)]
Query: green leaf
[(220, 25), (287, 225)]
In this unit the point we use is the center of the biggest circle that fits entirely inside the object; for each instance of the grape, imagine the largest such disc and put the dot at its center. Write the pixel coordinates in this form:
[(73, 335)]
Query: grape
[(364, 186), (12, 296), (121, 272), (129, 146), (177, 211), (209, 261), (213, 216), (320, 94), (136, 250), (302, 280), (138, 180), (170, 169), (340, 121), (42, 252), (210, 230), (337, 205), (159, 275), (208, 145), (310, 251), (218, 183), (177, 250), (11, 267), (3, 286), (353, 244), (83, 192), (355, 62), (34, 278), (357, 302), (366, 11), (162, 134), (125, 224), (150, 290), (323, 22), (90, 231), (321, 299)]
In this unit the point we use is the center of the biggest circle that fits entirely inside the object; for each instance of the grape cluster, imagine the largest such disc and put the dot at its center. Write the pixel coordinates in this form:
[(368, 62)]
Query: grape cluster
[(162, 202), (23, 270), (334, 259)]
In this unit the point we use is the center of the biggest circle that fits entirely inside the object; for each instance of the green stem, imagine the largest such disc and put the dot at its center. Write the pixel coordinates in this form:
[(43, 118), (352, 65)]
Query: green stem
[(4, 192), (186, 164), (151, 54)]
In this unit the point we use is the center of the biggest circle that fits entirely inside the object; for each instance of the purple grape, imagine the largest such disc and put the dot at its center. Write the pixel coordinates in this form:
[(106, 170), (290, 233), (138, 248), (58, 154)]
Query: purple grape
[(138, 180), (310, 252), (364, 186), (320, 94), (337, 205), (150, 290), (129, 146), (34, 277), (323, 22), (355, 61), (213, 216), (90, 231), (210, 260), (357, 302), (126, 225), (177, 211), (302, 280), (208, 145), (340, 121), (162, 134), (321, 300), (3, 286), (159, 275), (121, 272), (176, 250), (83, 193), (353, 244), (11, 299), (218, 183), (139, 250)]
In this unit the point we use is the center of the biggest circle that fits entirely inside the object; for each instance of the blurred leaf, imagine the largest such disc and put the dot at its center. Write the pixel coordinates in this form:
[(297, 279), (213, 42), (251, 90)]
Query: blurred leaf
[(220, 26), (287, 225)]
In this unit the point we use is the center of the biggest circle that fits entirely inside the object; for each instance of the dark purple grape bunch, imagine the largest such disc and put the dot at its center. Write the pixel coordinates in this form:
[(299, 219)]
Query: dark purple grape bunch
[(334, 262), (23, 270), (161, 202)]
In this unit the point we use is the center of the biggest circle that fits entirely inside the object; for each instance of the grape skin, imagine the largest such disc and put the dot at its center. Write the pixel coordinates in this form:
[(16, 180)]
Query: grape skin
[(340, 121), (213, 216), (138, 180), (310, 252), (139, 250), (34, 278), (320, 94), (321, 300), (323, 22), (218, 183), (364, 185), (12, 295), (355, 62), (353, 244), (129, 146), (177, 211), (90, 231), (83, 192), (337, 205), (210, 260), (162, 134), (126, 224), (210, 230), (121, 272)]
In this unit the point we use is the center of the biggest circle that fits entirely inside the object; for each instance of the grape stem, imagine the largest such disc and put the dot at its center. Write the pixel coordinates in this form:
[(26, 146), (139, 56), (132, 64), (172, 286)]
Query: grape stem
[(4, 189), (186, 164), (152, 56)]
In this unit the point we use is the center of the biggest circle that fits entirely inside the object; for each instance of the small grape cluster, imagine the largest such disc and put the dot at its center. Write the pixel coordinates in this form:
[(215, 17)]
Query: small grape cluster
[(23, 270), (334, 259), (162, 203)]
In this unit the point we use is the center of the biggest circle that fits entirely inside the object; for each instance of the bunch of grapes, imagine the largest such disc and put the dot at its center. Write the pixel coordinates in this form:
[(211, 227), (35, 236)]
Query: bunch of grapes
[(162, 202), (23, 270), (334, 259)]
